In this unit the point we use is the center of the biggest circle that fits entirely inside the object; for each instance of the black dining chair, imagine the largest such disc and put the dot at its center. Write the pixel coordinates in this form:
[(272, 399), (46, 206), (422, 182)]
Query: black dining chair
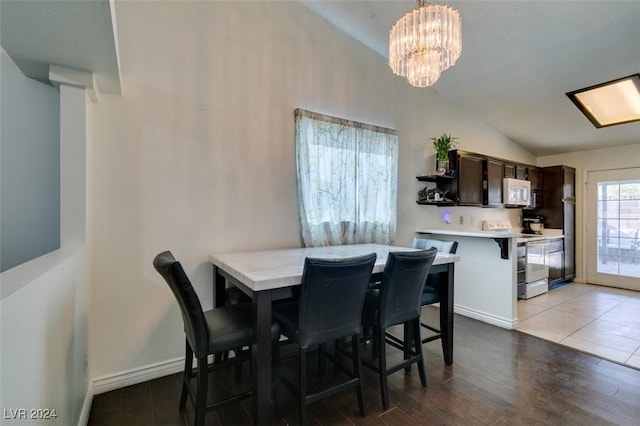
[(329, 308), (435, 282), (234, 296), (398, 301), (207, 333)]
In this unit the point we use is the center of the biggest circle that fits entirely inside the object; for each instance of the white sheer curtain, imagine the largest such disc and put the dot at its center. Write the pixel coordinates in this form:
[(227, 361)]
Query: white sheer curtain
[(347, 180)]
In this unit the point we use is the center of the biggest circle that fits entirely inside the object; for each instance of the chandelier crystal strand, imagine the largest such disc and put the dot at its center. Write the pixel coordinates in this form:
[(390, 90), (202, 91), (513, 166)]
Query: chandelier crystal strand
[(424, 43)]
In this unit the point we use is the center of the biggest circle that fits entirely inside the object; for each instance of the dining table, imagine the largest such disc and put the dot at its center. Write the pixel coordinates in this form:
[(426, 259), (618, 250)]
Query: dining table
[(270, 275)]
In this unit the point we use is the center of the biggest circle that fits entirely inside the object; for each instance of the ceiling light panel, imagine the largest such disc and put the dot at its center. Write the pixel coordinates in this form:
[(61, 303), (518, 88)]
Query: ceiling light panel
[(611, 103)]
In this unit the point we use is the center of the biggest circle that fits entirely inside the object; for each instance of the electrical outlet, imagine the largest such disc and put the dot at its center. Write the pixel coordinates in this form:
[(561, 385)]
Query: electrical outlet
[(461, 220)]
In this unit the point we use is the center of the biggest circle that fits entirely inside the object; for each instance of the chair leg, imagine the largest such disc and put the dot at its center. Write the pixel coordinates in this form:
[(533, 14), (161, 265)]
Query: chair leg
[(337, 355), (407, 344), (417, 340), (382, 366), (303, 386), (201, 393), (375, 343), (238, 366), (357, 370), (322, 365), (275, 368), (186, 377)]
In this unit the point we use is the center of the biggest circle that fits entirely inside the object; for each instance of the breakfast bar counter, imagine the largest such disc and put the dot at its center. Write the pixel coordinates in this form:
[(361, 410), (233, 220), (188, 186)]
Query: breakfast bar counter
[(486, 276)]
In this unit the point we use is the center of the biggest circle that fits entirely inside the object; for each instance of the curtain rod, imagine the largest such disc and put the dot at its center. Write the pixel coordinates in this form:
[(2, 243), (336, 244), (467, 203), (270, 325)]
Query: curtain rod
[(342, 121)]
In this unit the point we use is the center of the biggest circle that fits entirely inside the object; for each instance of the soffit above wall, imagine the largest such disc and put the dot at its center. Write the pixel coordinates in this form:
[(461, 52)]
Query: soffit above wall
[(79, 35)]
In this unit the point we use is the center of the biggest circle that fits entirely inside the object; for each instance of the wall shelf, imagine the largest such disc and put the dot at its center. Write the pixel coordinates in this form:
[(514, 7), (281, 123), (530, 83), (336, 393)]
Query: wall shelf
[(435, 178), (442, 203)]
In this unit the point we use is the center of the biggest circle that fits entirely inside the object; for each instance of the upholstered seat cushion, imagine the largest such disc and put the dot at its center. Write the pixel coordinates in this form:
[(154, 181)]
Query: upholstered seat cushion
[(231, 327)]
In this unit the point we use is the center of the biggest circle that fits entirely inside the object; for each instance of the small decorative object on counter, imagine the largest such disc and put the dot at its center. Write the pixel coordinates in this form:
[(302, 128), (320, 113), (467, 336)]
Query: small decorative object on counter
[(443, 145)]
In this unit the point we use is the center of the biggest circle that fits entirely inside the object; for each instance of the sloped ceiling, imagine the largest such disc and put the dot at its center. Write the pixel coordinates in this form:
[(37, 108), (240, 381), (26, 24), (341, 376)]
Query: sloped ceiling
[(518, 60)]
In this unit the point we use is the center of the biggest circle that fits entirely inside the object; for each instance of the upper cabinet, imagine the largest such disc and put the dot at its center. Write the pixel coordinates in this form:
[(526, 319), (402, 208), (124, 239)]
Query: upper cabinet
[(493, 172), (515, 171), (477, 180), (469, 172), (534, 175)]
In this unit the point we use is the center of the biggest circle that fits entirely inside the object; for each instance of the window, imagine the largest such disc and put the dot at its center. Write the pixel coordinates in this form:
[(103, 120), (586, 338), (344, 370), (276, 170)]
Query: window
[(347, 180), (618, 228)]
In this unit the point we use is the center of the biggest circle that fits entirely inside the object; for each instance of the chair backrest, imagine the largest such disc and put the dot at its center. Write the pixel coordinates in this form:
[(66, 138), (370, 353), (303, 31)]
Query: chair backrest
[(438, 279), (331, 297), (194, 323), (405, 274), (442, 246)]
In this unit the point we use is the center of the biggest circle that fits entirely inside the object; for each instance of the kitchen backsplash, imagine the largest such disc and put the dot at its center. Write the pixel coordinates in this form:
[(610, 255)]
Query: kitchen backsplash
[(470, 218)]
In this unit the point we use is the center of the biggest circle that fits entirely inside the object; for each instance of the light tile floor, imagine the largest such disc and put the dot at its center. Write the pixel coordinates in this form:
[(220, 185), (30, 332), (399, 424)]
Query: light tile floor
[(602, 321)]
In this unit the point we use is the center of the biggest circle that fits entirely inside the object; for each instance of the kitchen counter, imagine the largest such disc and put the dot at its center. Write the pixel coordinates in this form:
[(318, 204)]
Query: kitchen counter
[(471, 233), (501, 237), (486, 283), (548, 234)]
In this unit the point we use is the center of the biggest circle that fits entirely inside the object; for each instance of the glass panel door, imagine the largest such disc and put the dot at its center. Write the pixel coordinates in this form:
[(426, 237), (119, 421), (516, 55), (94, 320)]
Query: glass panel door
[(613, 228)]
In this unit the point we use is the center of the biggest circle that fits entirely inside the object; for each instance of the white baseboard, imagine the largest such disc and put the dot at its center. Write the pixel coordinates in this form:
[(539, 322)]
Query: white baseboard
[(507, 323), (137, 375), (86, 406)]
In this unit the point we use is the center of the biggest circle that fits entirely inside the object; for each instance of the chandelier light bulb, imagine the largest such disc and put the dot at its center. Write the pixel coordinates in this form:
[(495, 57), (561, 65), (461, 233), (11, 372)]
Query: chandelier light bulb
[(425, 42)]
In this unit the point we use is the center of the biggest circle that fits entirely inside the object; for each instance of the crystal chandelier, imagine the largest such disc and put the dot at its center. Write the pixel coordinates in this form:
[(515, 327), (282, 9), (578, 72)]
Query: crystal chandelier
[(425, 42)]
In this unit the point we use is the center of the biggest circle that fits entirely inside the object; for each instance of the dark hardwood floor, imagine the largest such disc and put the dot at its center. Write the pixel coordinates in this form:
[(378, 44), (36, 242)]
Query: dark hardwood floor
[(499, 377)]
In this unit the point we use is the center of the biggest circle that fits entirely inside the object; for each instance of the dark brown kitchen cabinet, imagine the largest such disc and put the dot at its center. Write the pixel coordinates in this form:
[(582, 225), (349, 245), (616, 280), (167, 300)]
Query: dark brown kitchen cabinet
[(469, 172), (534, 175), (559, 210), (522, 266), (515, 171), (492, 182), (477, 180), (555, 260), (510, 170)]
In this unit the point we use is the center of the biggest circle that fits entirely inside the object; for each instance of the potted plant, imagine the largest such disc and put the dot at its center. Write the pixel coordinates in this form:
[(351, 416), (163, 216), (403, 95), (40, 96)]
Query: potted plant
[(443, 145)]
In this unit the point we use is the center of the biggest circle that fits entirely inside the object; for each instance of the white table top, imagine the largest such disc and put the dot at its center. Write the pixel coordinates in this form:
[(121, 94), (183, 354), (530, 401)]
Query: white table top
[(265, 270)]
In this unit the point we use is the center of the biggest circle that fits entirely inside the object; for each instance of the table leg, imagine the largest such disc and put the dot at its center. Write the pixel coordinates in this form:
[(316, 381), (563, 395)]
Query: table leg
[(219, 284), (261, 357), (446, 315)]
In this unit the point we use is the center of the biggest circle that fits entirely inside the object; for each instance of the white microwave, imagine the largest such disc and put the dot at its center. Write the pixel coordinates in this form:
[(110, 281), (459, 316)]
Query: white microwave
[(515, 192)]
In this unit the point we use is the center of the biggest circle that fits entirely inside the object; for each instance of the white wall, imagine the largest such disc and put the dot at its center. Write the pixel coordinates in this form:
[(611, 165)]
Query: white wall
[(43, 343), (30, 167), (584, 162), (43, 302), (197, 155)]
